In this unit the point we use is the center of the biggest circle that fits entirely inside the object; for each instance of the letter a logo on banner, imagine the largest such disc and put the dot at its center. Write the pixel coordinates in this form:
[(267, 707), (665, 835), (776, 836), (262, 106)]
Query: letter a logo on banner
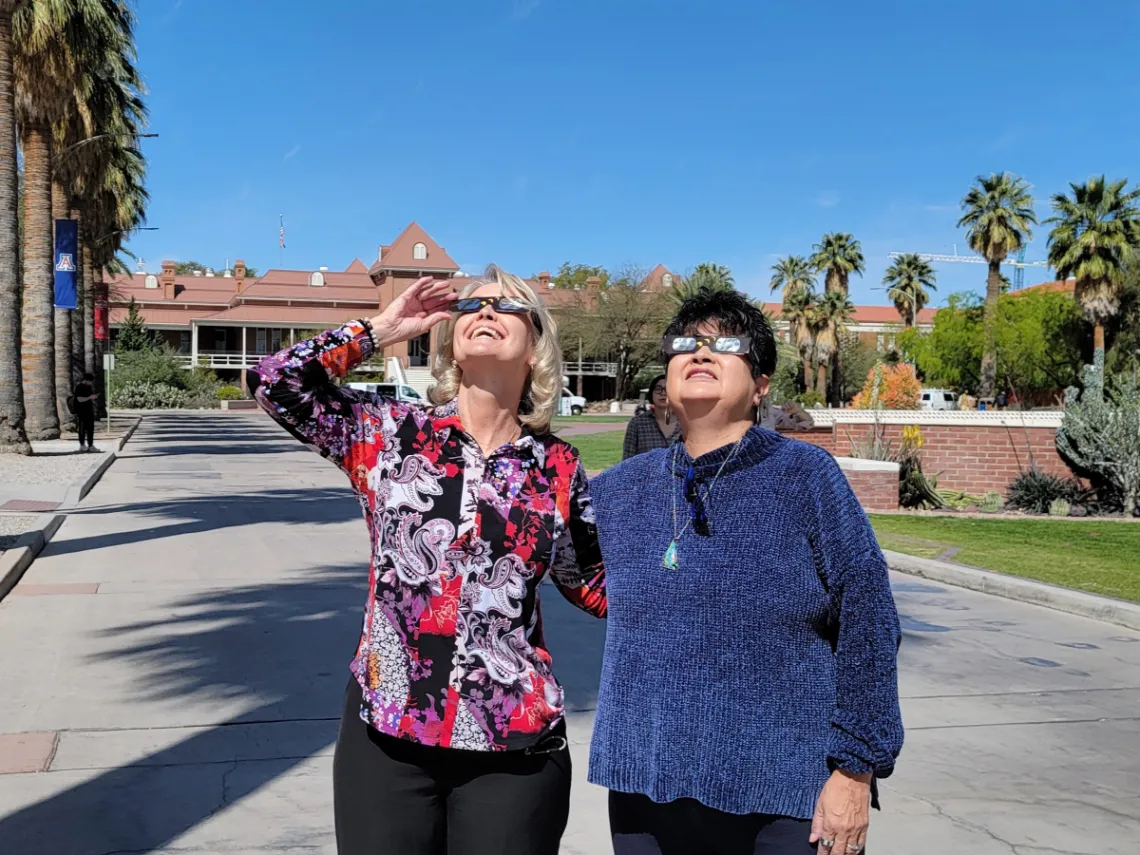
[(66, 246)]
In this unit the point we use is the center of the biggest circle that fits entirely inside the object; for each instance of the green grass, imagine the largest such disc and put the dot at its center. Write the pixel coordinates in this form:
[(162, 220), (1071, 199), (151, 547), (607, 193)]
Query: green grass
[(1098, 557), (599, 450), (589, 420)]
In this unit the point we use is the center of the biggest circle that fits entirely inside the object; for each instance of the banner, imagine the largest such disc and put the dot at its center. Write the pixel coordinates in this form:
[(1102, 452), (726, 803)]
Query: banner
[(101, 331), (66, 253)]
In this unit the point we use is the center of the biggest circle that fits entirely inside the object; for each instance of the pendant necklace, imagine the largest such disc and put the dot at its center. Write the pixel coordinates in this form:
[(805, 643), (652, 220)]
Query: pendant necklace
[(671, 559)]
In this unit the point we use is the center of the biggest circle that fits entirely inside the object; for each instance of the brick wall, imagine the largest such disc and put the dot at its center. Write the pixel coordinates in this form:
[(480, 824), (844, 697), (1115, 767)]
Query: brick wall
[(975, 459), (876, 491)]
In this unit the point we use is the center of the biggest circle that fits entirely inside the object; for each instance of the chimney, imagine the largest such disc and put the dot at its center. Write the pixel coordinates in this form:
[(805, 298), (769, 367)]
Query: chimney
[(593, 284), (239, 274), (544, 278), (168, 280)]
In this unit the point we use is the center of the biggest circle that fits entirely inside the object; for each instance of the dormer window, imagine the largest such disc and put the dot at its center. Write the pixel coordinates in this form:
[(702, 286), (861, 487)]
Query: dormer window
[(667, 280), (151, 281), (316, 279), (419, 252)]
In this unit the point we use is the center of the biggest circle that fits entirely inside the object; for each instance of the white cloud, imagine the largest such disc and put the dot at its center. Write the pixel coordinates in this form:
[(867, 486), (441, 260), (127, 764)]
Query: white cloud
[(291, 153), (523, 9)]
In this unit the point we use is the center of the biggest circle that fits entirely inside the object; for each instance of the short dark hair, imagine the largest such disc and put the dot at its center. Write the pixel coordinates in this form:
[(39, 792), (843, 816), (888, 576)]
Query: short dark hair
[(88, 376), (653, 383), (731, 313)]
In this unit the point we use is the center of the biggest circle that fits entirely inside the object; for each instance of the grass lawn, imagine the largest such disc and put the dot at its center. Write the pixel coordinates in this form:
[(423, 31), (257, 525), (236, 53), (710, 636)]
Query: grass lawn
[(589, 420), (599, 450), (1098, 557)]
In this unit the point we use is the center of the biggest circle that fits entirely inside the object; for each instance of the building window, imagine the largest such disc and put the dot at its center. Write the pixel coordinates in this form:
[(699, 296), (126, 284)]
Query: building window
[(317, 279), (667, 280), (260, 340), (184, 342), (879, 343), (151, 281), (419, 252)]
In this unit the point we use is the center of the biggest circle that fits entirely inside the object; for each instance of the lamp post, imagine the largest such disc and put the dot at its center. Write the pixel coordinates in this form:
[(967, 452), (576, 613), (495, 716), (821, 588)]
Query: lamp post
[(91, 139)]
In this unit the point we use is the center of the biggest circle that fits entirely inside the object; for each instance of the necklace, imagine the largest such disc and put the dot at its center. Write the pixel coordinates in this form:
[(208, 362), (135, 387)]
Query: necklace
[(671, 559)]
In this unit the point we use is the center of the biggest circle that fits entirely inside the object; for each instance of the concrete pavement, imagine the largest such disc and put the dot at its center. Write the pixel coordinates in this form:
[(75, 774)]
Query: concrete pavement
[(175, 660)]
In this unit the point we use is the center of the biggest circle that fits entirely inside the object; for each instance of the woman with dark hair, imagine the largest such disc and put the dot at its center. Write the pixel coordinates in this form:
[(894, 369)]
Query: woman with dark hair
[(655, 427), (749, 692)]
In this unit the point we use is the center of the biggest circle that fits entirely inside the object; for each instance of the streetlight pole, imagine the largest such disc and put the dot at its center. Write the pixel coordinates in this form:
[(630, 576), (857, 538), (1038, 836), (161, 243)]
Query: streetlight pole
[(73, 146), (110, 235)]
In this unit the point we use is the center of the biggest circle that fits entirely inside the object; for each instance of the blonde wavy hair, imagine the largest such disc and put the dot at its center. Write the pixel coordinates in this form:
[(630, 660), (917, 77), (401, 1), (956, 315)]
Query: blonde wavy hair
[(543, 390)]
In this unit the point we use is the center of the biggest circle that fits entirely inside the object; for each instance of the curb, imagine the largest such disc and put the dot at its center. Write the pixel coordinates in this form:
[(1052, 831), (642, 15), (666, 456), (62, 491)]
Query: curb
[(15, 561), (1061, 599), (81, 487)]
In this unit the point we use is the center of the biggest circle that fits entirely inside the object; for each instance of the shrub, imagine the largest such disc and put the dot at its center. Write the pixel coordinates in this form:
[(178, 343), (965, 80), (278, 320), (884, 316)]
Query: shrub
[(916, 490), (229, 393), (148, 396), (1034, 490), (154, 365), (991, 503), (810, 398), (1059, 508), (895, 388)]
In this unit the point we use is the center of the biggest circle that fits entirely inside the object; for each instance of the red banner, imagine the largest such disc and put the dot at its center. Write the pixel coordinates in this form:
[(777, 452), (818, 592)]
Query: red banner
[(102, 330)]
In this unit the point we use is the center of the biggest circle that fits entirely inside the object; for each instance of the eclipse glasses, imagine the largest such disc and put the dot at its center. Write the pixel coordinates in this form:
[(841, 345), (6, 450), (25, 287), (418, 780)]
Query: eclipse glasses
[(738, 344)]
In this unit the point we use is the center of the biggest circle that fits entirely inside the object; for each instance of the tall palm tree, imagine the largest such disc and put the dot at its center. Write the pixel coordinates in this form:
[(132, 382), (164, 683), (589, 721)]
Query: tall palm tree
[(998, 213), (798, 310), (13, 436), (1097, 233), (907, 279), (829, 318), (838, 255), (792, 274)]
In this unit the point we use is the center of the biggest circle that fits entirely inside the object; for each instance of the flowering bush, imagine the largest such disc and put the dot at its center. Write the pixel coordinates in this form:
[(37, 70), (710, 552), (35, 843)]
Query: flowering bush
[(148, 396), (889, 387)]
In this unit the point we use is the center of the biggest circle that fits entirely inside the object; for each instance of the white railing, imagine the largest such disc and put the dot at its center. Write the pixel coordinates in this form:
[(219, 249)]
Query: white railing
[(222, 360), (978, 418), (598, 369)]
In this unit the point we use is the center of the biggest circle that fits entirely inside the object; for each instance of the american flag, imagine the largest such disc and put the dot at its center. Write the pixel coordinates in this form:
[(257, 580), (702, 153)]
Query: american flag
[(281, 240)]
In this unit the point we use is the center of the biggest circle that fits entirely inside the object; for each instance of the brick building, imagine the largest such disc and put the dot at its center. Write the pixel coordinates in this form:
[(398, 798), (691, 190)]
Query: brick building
[(229, 321)]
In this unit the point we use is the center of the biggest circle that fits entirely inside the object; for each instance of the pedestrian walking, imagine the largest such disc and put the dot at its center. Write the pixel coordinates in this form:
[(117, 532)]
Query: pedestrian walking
[(452, 737), (749, 694), (84, 398), (654, 427)]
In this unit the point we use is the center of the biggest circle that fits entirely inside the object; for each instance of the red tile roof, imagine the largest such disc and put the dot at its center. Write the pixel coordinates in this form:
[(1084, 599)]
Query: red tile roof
[(212, 290), (400, 255), (654, 281), (870, 314), (1068, 285), (295, 285), (357, 266), (156, 316), (294, 316)]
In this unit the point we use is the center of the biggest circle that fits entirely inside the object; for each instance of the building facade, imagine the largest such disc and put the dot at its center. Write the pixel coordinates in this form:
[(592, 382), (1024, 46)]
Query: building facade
[(227, 322)]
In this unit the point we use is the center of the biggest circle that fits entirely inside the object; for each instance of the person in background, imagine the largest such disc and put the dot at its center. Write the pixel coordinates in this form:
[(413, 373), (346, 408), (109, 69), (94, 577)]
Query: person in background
[(1002, 400), (749, 690), (452, 737), (85, 398), (655, 427)]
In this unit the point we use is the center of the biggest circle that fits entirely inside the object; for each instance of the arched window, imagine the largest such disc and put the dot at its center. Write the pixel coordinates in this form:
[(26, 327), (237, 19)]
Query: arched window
[(151, 281), (667, 280), (317, 279), (419, 252)]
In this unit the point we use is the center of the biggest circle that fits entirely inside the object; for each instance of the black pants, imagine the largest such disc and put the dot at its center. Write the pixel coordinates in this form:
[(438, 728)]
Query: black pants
[(641, 826), (398, 797), (85, 425)]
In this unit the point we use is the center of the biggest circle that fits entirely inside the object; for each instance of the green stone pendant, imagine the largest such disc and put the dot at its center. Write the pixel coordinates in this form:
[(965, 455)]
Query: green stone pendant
[(669, 562)]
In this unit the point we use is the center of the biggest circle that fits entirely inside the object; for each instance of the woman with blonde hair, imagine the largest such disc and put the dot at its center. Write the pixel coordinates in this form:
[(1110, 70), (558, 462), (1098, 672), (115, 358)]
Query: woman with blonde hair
[(452, 736)]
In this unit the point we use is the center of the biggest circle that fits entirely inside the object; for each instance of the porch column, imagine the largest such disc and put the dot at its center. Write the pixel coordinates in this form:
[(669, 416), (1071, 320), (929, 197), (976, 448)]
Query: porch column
[(193, 345), (243, 331)]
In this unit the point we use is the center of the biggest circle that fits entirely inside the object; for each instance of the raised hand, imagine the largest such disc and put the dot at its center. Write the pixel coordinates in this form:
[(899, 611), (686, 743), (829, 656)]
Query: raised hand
[(424, 304)]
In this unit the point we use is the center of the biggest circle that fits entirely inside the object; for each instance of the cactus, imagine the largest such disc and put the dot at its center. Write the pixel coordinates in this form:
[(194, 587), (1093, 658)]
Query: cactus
[(1100, 432), (1059, 508), (991, 503)]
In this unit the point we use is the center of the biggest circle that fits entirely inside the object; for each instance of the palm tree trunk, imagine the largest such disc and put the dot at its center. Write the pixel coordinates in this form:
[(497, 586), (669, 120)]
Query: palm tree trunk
[(12, 435), (989, 349), (38, 332), (821, 379), (88, 310), (807, 374), (1098, 338), (62, 320)]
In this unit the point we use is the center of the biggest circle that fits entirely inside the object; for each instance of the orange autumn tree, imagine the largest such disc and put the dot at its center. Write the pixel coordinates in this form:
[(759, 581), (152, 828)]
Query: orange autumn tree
[(889, 387)]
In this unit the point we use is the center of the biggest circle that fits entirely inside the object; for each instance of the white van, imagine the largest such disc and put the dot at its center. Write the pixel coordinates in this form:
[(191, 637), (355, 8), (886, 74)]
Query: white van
[(937, 399), (394, 391), (572, 405)]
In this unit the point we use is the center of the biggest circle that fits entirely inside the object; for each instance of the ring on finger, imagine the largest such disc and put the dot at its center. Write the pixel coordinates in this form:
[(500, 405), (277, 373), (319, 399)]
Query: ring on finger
[(854, 848), (826, 844)]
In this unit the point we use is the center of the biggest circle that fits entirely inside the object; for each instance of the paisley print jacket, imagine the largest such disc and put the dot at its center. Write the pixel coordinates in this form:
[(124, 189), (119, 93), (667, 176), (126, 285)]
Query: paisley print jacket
[(452, 651)]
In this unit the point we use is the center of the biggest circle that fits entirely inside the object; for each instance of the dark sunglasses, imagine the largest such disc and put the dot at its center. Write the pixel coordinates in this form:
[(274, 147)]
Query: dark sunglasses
[(738, 344), (501, 305)]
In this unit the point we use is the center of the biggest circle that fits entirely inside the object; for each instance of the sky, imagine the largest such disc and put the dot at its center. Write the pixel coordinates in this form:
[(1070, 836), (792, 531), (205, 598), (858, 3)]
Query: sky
[(621, 132)]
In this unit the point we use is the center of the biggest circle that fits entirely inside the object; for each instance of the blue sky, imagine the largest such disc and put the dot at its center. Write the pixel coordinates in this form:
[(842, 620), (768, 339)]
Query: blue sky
[(614, 132)]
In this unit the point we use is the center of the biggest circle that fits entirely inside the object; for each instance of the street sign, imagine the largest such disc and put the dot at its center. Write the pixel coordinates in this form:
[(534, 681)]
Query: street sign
[(108, 361)]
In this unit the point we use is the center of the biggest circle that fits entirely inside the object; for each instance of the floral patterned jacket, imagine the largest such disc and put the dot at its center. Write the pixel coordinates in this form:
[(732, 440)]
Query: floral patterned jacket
[(452, 651)]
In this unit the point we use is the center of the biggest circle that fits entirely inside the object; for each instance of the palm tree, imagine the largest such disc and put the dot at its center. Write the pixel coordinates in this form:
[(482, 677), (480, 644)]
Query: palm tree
[(798, 310), (907, 279), (829, 316), (13, 437), (998, 213), (1097, 233), (713, 277), (839, 255), (792, 274)]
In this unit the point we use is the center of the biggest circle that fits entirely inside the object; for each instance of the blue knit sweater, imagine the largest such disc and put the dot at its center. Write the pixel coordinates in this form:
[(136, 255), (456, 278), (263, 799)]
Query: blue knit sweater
[(768, 657)]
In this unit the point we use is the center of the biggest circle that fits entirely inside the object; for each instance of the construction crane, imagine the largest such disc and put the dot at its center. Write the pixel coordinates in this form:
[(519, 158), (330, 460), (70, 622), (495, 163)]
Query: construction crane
[(1019, 264)]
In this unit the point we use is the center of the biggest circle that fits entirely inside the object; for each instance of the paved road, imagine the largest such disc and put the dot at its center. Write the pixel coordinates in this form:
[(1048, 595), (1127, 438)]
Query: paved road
[(180, 649)]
